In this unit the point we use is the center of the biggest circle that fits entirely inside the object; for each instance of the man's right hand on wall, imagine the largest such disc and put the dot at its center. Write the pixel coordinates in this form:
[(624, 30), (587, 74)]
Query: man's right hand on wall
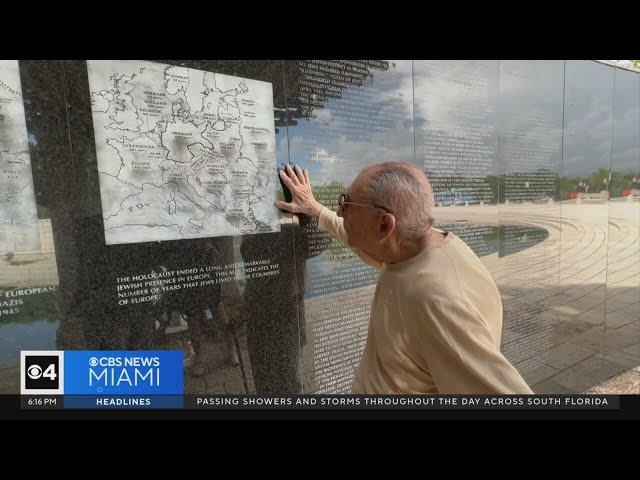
[(302, 201)]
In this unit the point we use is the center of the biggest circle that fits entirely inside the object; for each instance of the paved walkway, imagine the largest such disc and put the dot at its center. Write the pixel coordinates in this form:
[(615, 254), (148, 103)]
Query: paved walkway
[(572, 302), (626, 383)]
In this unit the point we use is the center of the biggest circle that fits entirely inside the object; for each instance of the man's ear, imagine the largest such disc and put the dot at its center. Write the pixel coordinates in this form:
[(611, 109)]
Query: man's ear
[(386, 226)]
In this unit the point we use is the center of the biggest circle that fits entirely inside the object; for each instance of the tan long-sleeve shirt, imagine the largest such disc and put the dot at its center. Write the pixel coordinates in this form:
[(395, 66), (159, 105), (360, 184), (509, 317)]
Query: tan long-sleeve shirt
[(435, 326)]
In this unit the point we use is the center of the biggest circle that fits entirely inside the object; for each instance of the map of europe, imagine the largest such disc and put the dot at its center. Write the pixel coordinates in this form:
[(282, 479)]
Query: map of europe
[(182, 153), (18, 215)]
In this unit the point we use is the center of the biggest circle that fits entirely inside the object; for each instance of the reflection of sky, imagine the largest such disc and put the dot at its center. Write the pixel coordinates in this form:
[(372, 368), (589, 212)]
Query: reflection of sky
[(588, 113), (322, 146), (440, 89), (588, 109), (450, 97), (530, 106), (626, 128), (529, 102)]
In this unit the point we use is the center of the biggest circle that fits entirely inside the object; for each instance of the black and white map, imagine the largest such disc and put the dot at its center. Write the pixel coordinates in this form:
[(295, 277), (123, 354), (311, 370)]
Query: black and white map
[(18, 215), (182, 153)]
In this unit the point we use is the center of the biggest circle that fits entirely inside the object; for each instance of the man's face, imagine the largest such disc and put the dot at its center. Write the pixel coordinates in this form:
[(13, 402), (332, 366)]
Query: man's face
[(360, 221)]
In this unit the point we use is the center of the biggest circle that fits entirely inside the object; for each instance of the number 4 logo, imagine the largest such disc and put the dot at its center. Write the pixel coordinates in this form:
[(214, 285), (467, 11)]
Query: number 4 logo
[(50, 372)]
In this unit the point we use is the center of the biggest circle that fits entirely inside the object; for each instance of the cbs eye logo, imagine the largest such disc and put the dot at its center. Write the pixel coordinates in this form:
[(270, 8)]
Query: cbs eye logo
[(34, 372), (41, 372)]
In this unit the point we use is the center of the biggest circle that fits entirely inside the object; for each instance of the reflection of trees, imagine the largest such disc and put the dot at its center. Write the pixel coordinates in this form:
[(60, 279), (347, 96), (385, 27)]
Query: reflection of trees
[(561, 187), (596, 182), (619, 182)]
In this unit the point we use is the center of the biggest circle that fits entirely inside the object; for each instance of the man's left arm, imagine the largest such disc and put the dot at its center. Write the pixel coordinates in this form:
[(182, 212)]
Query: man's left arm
[(459, 353)]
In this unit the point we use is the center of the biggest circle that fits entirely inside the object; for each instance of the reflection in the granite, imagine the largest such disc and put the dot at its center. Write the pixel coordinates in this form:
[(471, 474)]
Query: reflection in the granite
[(274, 304)]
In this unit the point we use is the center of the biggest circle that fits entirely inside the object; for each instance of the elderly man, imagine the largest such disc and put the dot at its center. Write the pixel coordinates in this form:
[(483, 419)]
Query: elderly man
[(436, 318)]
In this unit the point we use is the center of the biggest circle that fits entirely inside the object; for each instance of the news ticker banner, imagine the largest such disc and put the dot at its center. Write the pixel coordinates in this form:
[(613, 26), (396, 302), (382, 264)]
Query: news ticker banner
[(154, 379), (323, 402)]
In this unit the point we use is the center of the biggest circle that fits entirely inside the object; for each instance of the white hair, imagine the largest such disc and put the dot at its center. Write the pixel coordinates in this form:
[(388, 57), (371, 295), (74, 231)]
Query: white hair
[(405, 190)]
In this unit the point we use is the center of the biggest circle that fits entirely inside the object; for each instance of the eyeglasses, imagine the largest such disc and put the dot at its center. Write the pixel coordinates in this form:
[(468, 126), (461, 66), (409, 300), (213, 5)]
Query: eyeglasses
[(342, 201)]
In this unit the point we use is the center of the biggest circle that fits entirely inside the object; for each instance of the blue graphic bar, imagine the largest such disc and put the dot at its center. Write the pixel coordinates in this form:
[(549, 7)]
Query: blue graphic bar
[(118, 372), (123, 401)]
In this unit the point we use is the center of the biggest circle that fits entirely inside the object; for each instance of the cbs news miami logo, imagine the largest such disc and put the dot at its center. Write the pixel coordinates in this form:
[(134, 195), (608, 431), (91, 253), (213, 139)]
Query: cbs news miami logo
[(85, 372), (42, 372)]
